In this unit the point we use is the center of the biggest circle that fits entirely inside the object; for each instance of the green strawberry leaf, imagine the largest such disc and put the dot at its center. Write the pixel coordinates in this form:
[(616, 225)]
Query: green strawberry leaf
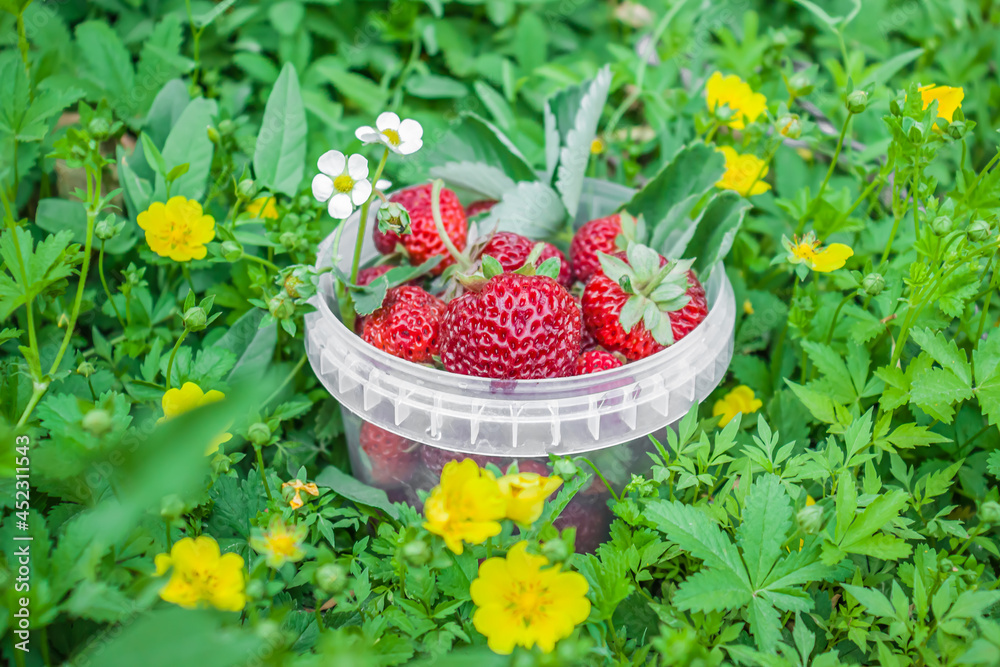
[(491, 267), (531, 209), (478, 156), (279, 159), (549, 267), (715, 231)]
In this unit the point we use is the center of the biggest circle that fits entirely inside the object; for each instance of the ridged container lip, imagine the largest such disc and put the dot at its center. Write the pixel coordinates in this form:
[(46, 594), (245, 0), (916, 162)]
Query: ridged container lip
[(717, 287)]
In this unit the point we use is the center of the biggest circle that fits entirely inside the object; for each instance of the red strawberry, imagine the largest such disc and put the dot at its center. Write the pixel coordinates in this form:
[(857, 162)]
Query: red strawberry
[(423, 241), (516, 327), (511, 250), (594, 361), (591, 520), (480, 206), (435, 459), (595, 236), (407, 325), (684, 321), (638, 322), (392, 456), (367, 276)]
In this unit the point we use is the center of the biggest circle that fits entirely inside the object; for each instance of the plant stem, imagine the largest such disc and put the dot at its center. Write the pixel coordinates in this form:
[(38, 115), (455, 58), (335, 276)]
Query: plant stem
[(460, 259), (601, 476), (363, 222), (899, 214), (319, 616), (260, 469), (836, 314), (262, 261), (287, 379), (986, 306), (173, 353), (104, 283), (170, 544), (829, 174)]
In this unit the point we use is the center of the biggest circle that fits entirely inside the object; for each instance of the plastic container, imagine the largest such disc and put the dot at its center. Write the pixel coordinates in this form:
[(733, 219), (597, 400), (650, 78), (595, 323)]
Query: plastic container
[(428, 416)]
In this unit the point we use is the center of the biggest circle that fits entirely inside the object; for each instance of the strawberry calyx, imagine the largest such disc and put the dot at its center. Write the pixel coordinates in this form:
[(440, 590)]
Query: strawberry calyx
[(490, 267), (654, 290)]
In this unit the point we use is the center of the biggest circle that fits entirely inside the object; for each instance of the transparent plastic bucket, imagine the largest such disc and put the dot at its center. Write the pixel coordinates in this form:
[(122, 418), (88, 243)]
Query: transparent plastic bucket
[(434, 416)]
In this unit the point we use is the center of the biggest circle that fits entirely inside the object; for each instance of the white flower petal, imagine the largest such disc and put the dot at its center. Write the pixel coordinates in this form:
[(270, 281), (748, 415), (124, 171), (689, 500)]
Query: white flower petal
[(387, 120), (409, 130), (367, 134), (362, 190), (340, 206), (410, 147), (383, 184), (357, 167), (391, 146), (332, 163), (322, 187)]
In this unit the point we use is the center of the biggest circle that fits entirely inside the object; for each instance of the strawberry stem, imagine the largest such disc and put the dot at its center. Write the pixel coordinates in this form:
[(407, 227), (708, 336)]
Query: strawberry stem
[(463, 262)]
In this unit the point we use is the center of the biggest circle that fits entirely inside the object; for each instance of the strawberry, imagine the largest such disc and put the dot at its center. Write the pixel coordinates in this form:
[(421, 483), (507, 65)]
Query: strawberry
[(595, 236), (392, 456), (407, 325), (594, 361), (683, 321), (515, 327), (423, 241), (627, 304), (512, 250), (367, 276), (434, 459), (591, 520), (479, 206)]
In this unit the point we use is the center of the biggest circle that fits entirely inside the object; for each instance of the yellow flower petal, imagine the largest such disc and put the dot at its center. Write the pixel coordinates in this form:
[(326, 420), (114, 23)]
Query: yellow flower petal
[(178, 229), (949, 99), (740, 400), (744, 173), (731, 91), (263, 207), (833, 257), (200, 575), (525, 494), (466, 506)]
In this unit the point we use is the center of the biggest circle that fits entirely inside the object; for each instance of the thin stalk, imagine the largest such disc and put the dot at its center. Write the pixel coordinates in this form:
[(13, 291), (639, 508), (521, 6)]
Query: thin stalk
[(170, 543), (460, 258), (260, 469), (173, 353), (899, 215), (986, 306), (104, 283), (601, 477), (262, 261), (836, 314), (829, 174), (363, 223)]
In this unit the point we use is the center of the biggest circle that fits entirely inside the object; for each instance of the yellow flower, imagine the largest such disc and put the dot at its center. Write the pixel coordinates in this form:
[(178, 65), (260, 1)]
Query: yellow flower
[(949, 99), (735, 93), (525, 494), (280, 543), (263, 207), (298, 487), (596, 146), (199, 574), (740, 399), (744, 173), (188, 397), (748, 307), (807, 250), (178, 229), (521, 604), (466, 505)]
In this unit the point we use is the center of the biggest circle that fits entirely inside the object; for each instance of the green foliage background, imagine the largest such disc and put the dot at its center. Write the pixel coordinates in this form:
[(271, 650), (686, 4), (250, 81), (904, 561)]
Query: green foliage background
[(883, 408)]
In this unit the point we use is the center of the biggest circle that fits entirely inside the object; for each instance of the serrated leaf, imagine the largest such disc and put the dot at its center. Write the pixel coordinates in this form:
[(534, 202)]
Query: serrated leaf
[(987, 362), (476, 141), (712, 590), (765, 625), (695, 532), (936, 390), (944, 351), (908, 436), (873, 600), (43, 264), (531, 209), (767, 517), (820, 405), (577, 137), (109, 62), (280, 154)]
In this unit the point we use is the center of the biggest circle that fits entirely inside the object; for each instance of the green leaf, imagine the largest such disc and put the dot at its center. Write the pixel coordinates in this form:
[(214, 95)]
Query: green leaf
[(252, 345), (767, 517), (159, 61), (476, 155), (944, 351), (712, 590), (351, 86), (32, 268), (109, 62), (286, 17), (971, 604), (188, 142), (879, 512), (666, 201), (435, 87), (55, 215), (696, 533), (765, 625), (715, 231), (820, 405), (531, 209), (908, 436), (987, 361), (873, 600), (280, 155), (936, 390), (577, 128), (356, 491)]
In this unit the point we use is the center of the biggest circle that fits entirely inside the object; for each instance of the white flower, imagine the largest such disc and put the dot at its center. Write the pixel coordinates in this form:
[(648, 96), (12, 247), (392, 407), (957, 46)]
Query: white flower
[(403, 137), (343, 181)]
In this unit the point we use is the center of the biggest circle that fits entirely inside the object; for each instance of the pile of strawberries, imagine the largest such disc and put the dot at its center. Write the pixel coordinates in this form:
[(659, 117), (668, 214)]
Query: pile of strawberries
[(603, 306)]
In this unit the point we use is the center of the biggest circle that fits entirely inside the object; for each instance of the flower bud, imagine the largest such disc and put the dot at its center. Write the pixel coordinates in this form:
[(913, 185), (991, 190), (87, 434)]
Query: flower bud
[(291, 284), (105, 229), (916, 135), (213, 135), (226, 126), (979, 231), (417, 553), (956, 129), (941, 225), (989, 512), (97, 422), (810, 519), (894, 107), (256, 589), (289, 240), (873, 284), (790, 126), (331, 578), (280, 307), (556, 550), (246, 188), (393, 218), (195, 318), (86, 369), (232, 251), (779, 39), (857, 101), (98, 127), (800, 84), (259, 434), (171, 507)]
